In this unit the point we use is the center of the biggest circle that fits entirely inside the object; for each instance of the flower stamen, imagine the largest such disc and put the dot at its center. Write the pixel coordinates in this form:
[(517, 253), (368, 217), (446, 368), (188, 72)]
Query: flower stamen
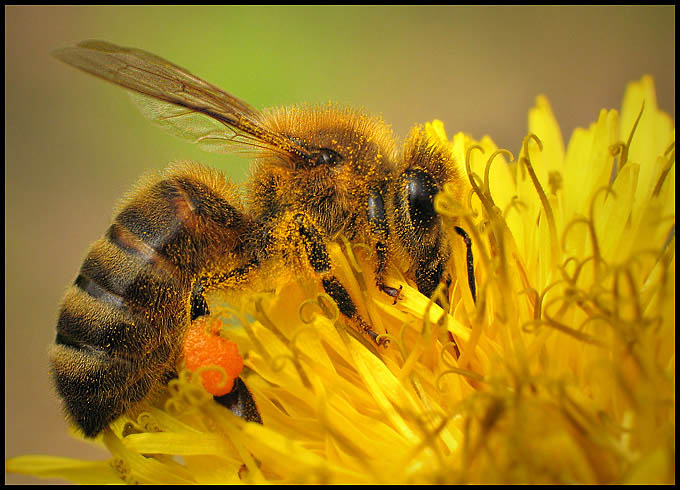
[(473, 178), (487, 171), (624, 151), (552, 226), (666, 169)]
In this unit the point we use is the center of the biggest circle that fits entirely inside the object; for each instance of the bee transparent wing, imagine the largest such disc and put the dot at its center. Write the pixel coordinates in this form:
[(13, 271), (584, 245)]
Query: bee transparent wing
[(208, 133), (181, 101), (149, 74)]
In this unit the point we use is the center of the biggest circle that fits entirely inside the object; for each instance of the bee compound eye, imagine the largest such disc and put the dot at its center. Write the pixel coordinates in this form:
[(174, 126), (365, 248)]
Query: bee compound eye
[(420, 188)]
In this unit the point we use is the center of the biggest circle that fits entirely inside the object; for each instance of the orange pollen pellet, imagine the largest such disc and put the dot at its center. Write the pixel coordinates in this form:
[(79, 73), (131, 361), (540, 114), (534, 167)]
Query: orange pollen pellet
[(203, 347)]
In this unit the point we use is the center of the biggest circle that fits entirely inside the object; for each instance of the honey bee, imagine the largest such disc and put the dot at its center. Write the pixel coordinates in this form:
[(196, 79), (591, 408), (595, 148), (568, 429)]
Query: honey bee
[(318, 173)]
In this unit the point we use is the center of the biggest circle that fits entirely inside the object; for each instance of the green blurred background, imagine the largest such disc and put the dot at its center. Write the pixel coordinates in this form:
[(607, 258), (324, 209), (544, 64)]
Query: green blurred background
[(75, 144)]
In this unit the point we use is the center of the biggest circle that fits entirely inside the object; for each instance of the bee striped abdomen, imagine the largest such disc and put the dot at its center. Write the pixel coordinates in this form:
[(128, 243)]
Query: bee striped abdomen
[(122, 322), (126, 240)]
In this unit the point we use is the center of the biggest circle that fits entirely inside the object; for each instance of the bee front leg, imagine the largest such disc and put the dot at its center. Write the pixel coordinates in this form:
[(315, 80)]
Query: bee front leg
[(377, 219), (317, 254)]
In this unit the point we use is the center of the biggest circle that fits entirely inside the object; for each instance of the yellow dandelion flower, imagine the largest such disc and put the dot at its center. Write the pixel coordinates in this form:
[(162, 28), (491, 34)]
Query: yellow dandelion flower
[(561, 371)]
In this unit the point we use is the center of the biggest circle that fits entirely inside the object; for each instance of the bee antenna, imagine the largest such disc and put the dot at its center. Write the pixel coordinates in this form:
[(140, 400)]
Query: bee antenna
[(470, 263)]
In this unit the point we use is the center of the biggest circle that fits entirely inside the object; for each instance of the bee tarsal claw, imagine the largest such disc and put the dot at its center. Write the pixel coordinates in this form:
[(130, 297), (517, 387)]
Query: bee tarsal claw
[(392, 292)]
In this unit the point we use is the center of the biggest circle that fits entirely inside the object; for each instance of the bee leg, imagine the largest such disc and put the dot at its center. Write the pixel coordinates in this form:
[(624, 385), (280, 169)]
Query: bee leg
[(239, 400), (317, 254), (470, 263), (377, 220), (199, 306), (231, 278), (471, 279)]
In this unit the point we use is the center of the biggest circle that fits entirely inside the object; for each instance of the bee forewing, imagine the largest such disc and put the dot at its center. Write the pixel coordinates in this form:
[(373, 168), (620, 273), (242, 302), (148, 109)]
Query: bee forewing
[(183, 100), (208, 133), (151, 75)]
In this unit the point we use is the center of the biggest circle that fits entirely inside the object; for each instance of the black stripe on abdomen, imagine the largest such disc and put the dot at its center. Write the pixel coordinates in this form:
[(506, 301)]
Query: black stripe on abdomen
[(98, 291)]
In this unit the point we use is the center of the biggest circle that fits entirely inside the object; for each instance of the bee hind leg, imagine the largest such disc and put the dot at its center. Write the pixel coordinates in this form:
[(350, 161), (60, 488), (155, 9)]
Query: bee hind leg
[(239, 400)]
